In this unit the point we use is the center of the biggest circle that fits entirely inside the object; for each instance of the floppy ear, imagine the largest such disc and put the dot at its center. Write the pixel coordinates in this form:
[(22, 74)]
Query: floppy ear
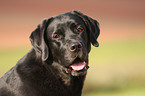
[(93, 27), (37, 39)]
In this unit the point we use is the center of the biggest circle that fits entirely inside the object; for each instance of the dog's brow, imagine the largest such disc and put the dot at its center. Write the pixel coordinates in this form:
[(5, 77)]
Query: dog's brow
[(69, 23), (60, 31)]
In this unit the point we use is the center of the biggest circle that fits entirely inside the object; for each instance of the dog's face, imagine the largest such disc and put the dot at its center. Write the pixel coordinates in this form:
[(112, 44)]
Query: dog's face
[(68, 39)]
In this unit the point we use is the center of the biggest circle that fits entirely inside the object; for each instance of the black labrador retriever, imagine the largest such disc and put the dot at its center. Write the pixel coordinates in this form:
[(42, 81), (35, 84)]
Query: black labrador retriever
[(58, 62)]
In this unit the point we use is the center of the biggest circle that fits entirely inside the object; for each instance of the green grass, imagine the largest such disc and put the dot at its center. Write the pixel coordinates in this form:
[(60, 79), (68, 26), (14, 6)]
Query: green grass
[(8, 58), (116, 68), (126, 92), (118, 51)]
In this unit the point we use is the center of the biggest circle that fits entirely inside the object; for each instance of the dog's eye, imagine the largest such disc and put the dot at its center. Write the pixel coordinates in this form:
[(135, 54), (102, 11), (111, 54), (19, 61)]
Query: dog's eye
[(57, 36), (80, 29)]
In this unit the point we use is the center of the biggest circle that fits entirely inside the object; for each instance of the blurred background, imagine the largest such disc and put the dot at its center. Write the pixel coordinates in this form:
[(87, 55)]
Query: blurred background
[(117, 66)]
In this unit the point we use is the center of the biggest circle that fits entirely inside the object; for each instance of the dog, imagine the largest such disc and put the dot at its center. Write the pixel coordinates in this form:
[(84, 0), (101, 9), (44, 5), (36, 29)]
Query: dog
[(58, 61)]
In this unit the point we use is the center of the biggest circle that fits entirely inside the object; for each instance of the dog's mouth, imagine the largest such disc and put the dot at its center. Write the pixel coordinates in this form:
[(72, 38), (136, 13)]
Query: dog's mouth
[(78, 64), (77, 68)]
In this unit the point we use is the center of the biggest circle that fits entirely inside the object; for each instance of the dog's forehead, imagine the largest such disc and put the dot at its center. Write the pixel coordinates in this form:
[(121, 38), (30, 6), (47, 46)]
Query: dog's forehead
[(67, 18), (64, 20)]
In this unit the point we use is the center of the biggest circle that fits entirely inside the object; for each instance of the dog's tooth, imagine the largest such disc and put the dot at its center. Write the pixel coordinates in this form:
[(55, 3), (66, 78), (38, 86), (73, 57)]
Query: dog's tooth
[(87, 67), (68, 70)]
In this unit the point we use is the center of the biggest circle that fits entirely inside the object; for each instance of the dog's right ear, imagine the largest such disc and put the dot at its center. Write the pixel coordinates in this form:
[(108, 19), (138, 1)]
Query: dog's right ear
[(38, 40), (92, 25)]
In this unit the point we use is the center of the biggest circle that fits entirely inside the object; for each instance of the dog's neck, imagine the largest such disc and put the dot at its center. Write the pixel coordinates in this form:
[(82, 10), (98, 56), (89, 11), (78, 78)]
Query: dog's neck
[(51, 74), (67, 79)]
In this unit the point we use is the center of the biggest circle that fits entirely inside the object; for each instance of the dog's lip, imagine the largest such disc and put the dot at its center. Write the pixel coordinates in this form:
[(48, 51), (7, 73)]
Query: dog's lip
[(78, 65)]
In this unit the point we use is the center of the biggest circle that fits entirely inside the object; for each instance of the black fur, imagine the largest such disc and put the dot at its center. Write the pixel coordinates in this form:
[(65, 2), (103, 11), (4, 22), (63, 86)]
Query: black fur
[(57, 42)]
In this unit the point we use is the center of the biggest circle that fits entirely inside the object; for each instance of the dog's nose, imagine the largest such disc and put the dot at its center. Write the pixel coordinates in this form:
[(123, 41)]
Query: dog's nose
[(75, 46)]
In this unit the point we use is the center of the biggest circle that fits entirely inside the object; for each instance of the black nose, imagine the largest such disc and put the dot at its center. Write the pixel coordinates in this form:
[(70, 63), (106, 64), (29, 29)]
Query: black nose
[(75, 46)]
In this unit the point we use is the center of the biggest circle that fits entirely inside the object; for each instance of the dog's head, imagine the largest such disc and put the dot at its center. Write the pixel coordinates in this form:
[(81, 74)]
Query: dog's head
[(66, 39)]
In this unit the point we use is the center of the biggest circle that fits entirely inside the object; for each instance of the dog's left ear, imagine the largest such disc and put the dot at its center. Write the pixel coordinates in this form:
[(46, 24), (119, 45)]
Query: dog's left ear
[(93, 27), (38, 40)]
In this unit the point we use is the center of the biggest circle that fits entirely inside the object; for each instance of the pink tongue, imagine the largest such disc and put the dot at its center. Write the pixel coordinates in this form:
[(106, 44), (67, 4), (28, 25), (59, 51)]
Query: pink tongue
[(78, 66)]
